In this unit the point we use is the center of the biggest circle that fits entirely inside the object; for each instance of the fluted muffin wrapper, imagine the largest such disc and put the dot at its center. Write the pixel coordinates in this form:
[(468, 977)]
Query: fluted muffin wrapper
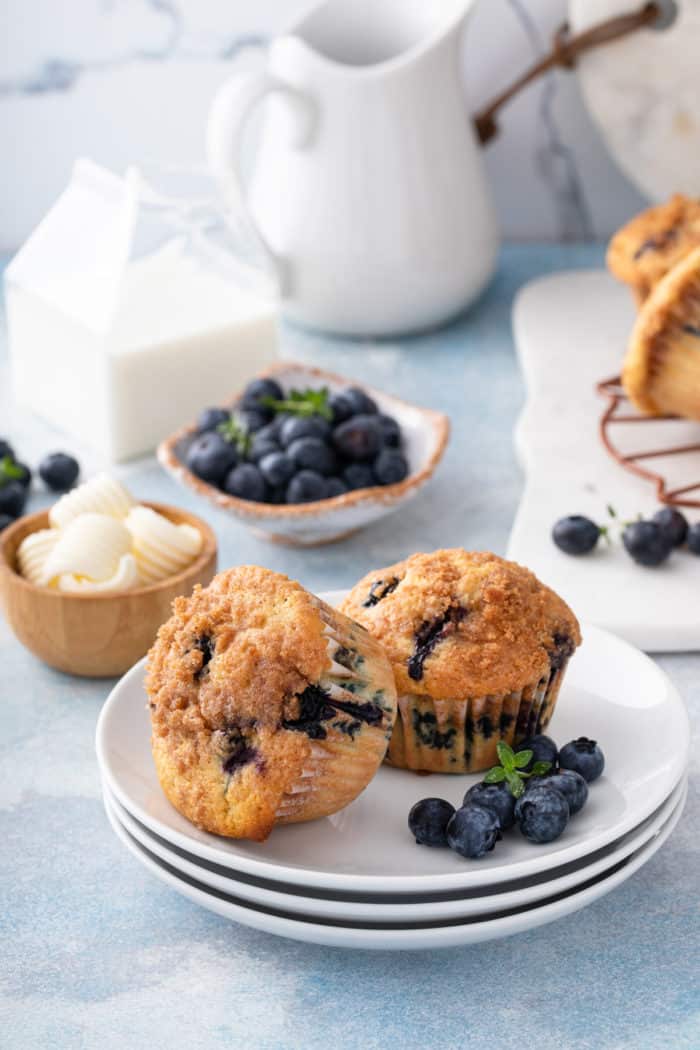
[(460, 736), (341, 765)]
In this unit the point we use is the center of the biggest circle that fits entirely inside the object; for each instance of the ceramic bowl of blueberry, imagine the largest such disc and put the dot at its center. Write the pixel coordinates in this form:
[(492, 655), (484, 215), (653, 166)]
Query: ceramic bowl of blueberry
[(305, 457)]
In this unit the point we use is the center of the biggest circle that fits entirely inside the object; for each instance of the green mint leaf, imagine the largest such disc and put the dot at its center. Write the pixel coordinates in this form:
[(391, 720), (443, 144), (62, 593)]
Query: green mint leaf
[(495, 775), (236, 435), (9, 470), (515, 784), (522, 758), (505, 755), (302, 403), (539, 768)]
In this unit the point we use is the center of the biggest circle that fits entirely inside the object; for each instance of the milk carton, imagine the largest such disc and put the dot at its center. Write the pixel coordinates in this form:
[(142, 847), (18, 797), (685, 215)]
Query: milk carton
[(126, 314)]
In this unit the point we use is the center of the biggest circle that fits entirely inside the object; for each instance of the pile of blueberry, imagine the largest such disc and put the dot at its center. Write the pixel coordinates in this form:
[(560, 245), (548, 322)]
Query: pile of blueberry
[(647, 542), (539, 789), (57, 470), (297, 447)]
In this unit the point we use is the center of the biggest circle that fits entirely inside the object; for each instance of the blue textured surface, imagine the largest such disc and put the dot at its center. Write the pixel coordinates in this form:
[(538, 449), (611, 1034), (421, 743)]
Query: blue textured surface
[(97, 953)]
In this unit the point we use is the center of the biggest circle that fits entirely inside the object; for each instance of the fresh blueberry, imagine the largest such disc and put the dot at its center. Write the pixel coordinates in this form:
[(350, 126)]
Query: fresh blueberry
[(246, 482), (583, 756), (210, 418), (360, 402), (335, 487), (391, 431), (25, 477), (259, 388), (694, 538), (543, 750), (542, 814), (277, 495), (673, 524), (390, 466), (296, 427), (473, 831), (428, 821), (277, 468), (359, 476), (497, 798), (13, 496), (5, 520), (270, 432), (59, 472), (646, 543), (261, 446), (6, 449), (341, 407), (575, 534), (306, 487), (311, 453), (254, 419), (571, 785), (358, 439), (211, 457)]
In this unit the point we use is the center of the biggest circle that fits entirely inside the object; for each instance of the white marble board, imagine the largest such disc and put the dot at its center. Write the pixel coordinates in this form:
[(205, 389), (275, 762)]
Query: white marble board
[(570, 331)]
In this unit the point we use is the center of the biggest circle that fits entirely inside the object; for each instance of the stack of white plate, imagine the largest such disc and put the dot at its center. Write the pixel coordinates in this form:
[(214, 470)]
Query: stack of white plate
[(358, 879)]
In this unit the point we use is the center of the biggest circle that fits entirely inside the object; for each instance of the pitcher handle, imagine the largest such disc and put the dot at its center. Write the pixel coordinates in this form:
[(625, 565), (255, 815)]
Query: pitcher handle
[(233, 104)]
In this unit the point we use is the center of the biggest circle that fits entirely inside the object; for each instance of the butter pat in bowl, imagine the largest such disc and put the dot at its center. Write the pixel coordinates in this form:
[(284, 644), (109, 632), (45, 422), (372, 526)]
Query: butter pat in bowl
[(87, 596)]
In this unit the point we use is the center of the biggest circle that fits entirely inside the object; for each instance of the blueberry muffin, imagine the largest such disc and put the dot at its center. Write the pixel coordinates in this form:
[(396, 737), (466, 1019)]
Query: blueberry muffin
[(661, 373), (644, 250), (478, 647), (267, 706)]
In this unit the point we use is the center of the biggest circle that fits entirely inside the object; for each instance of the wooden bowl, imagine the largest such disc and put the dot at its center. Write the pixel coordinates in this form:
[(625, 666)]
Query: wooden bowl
[(94, 635)]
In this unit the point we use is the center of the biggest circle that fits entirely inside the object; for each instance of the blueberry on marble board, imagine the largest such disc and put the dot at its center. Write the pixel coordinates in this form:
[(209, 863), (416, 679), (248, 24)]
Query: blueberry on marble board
[(210, 418), (646, 543), (496, 797), (583, 756), (311, 453), (576, 534), (428, 821), (211, 457), (473, 831), (673, 524), (390, 467), (305, 487), (59, 471), (542, 814), (694, 538), (246, 482)]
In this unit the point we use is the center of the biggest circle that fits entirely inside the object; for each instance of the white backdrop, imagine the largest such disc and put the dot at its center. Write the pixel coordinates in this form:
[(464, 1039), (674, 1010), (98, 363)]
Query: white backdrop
[(130, 80)]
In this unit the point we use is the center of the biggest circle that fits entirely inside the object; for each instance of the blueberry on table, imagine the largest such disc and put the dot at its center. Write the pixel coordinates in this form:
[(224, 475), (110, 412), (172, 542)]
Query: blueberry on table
[(673, 524), (359, 438), (543, 750), (341, 408), (335, 487), (359, 476), (391, 431), (646, 543), (258, 389), (295, 427), (246, 482), (211, 457), (360, 402), (694, 538), (570, 784), (542, 814), (210, 418), (496, 797), (428, 821), (390, 467), (277, 468), (59, 472), (473, 831), (306, 487), (261, 446), (312, 454), (5, 520), (576, 534), (13, 496), (583, 756)]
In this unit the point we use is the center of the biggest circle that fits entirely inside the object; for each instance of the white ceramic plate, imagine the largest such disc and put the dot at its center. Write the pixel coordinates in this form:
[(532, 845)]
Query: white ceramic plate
[(285, 897), (612, 692), (411, 937)]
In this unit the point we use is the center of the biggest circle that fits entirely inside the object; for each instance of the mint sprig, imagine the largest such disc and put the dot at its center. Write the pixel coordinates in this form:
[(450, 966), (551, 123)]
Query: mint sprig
[(9, 471), (236, 435), (512, 768), (302, 403)]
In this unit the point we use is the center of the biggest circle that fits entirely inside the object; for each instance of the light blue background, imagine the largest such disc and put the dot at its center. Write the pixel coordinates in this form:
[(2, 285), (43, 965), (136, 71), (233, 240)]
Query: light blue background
[(95, 953)]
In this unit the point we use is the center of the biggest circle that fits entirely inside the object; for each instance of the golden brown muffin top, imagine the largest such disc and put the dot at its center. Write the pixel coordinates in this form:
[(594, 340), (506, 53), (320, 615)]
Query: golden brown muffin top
[(458, 624), (648, 246)]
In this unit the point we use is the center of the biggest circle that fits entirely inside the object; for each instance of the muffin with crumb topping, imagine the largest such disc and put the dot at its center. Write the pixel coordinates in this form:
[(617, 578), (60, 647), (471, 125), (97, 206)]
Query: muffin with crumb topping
[(478, 647), (267, 706)]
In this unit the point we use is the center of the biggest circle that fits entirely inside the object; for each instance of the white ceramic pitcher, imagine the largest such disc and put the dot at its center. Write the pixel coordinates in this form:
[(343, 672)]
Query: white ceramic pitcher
[(368, 196)]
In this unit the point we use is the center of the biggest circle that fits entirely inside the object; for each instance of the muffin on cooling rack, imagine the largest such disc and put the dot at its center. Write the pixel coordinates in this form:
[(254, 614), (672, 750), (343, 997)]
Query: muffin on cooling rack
[(661, 373), (651, 244), (478, 647), (267, 706)]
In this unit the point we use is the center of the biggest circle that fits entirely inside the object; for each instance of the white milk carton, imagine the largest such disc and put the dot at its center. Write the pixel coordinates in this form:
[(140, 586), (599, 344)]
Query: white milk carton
[(125, 315)]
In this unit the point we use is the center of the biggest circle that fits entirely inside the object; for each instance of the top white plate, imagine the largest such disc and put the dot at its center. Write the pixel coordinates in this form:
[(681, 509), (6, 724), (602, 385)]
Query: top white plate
[(612, 692)]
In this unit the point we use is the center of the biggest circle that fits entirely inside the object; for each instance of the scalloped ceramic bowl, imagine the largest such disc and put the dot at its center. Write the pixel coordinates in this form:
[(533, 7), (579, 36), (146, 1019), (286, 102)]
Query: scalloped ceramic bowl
[(323, 521)]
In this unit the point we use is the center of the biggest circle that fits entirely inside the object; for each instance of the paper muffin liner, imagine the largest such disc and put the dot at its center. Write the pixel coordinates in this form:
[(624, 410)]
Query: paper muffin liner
[(342, 763), (460, 736)]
